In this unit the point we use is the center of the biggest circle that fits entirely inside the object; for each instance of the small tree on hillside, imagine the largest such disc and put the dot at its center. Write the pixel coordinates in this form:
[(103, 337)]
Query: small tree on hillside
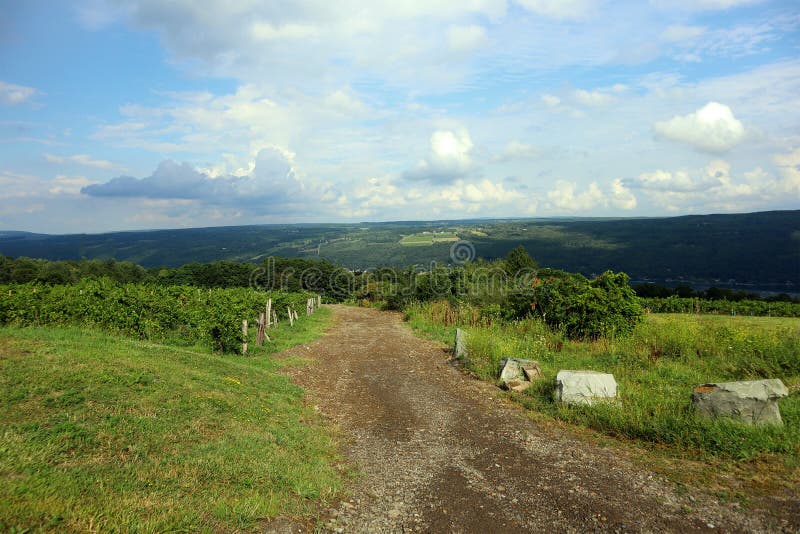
[(518, 260)]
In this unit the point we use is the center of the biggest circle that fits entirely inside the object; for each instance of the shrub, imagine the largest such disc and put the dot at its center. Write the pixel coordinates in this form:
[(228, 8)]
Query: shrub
[(584, 309)]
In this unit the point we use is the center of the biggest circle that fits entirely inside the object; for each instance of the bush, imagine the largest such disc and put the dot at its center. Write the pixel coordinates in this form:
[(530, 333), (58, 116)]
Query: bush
[(583, 309)]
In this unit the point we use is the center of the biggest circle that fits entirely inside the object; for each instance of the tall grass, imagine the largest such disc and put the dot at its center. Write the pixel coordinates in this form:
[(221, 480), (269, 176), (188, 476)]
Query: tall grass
[(656, 367)]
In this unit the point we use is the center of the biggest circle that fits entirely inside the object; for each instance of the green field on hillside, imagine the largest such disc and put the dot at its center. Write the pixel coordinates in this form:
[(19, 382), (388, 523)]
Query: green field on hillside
[(104, 433), (428, 238)]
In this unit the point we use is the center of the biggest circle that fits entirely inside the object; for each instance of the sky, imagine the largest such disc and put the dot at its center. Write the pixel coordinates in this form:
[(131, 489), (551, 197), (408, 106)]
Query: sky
[(140, 114)]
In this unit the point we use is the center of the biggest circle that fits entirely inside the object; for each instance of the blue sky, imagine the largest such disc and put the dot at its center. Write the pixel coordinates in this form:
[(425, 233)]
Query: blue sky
[(129, 114)]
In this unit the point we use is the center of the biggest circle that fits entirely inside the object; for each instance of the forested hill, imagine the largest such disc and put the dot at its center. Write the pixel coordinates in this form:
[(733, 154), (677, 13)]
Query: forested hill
[(755, 248)]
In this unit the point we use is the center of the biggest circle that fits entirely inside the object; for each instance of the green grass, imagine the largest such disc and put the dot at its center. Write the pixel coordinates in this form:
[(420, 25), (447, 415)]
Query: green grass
[(110, 434), (424, 239), (656, 368)]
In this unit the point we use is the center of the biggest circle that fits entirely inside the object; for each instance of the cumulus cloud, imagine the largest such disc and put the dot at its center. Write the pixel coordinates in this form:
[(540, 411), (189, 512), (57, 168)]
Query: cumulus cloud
[(622, 197), (789, 167), (272, 182), (448, 159), (712, 186), (13, 95), (712, 128), (565, 197)]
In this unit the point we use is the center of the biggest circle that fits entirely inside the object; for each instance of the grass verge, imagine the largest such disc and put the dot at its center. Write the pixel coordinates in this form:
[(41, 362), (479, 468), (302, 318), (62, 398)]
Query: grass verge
[(656, 368), (103, 433)]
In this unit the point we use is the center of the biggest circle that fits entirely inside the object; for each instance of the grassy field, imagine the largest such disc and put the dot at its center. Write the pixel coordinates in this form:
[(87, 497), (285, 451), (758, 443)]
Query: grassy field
[(428, 238), (105, 433), (656, 368)]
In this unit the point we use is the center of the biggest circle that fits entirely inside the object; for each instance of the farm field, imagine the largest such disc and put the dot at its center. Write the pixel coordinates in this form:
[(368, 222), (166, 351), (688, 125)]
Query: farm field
[(104, 433), (428, 238), (656, 367)]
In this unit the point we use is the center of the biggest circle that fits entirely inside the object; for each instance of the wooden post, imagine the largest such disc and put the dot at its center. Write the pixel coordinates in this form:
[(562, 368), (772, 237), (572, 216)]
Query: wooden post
[(319, 301), (262, 329), (296, 316), (291, 319), (274, 318), (244, 336), (269, 311)]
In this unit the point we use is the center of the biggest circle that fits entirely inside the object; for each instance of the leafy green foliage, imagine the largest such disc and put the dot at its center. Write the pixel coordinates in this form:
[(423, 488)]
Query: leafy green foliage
[(519, 261), (179, 314), (604, 306), (675, 304)]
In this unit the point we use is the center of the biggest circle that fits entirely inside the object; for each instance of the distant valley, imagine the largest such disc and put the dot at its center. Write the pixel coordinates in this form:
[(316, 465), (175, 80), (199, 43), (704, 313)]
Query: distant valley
[(760, 251)]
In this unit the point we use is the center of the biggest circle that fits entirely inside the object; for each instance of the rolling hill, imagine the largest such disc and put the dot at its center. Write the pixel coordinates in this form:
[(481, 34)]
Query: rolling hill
[(760, 250)]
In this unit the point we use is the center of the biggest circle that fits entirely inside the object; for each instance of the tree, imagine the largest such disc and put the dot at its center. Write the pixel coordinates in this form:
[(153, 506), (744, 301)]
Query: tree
[(586, 309), (519, 261)]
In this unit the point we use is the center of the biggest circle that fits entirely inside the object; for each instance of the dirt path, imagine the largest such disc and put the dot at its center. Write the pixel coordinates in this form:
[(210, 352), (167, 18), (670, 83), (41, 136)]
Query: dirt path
[(440, 452)]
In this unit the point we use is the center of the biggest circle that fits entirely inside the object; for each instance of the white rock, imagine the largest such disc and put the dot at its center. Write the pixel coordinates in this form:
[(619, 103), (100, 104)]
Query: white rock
[(518, 370), (460, 348), (751, 401), (584, 387)]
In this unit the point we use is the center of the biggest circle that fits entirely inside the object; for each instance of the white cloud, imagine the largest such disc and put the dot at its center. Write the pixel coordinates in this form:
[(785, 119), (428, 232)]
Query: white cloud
[(712, 128), (713, 188), (702, 5), (622, 197), (592, 98), (13, 95), (551, 101), (565, 197), (680, 33), (68, 185), (80, 159), (449, 157), (555, 103), (789, 167), (264, 31), (516, 150), (272, 186), (560, 9), (466, 38)]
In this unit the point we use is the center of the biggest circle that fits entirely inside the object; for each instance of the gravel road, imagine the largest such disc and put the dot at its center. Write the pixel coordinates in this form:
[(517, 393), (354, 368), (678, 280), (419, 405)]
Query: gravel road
[(437, 451)]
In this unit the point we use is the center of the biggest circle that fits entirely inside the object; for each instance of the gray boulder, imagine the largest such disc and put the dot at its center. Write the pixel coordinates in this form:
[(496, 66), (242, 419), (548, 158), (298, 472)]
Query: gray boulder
[(516, 373), (460, 348), (754, 402), (584, 387)]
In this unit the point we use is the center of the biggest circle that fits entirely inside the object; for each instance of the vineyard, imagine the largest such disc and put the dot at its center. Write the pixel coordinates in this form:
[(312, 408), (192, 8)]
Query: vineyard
[(760, 308), (181, 315)]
